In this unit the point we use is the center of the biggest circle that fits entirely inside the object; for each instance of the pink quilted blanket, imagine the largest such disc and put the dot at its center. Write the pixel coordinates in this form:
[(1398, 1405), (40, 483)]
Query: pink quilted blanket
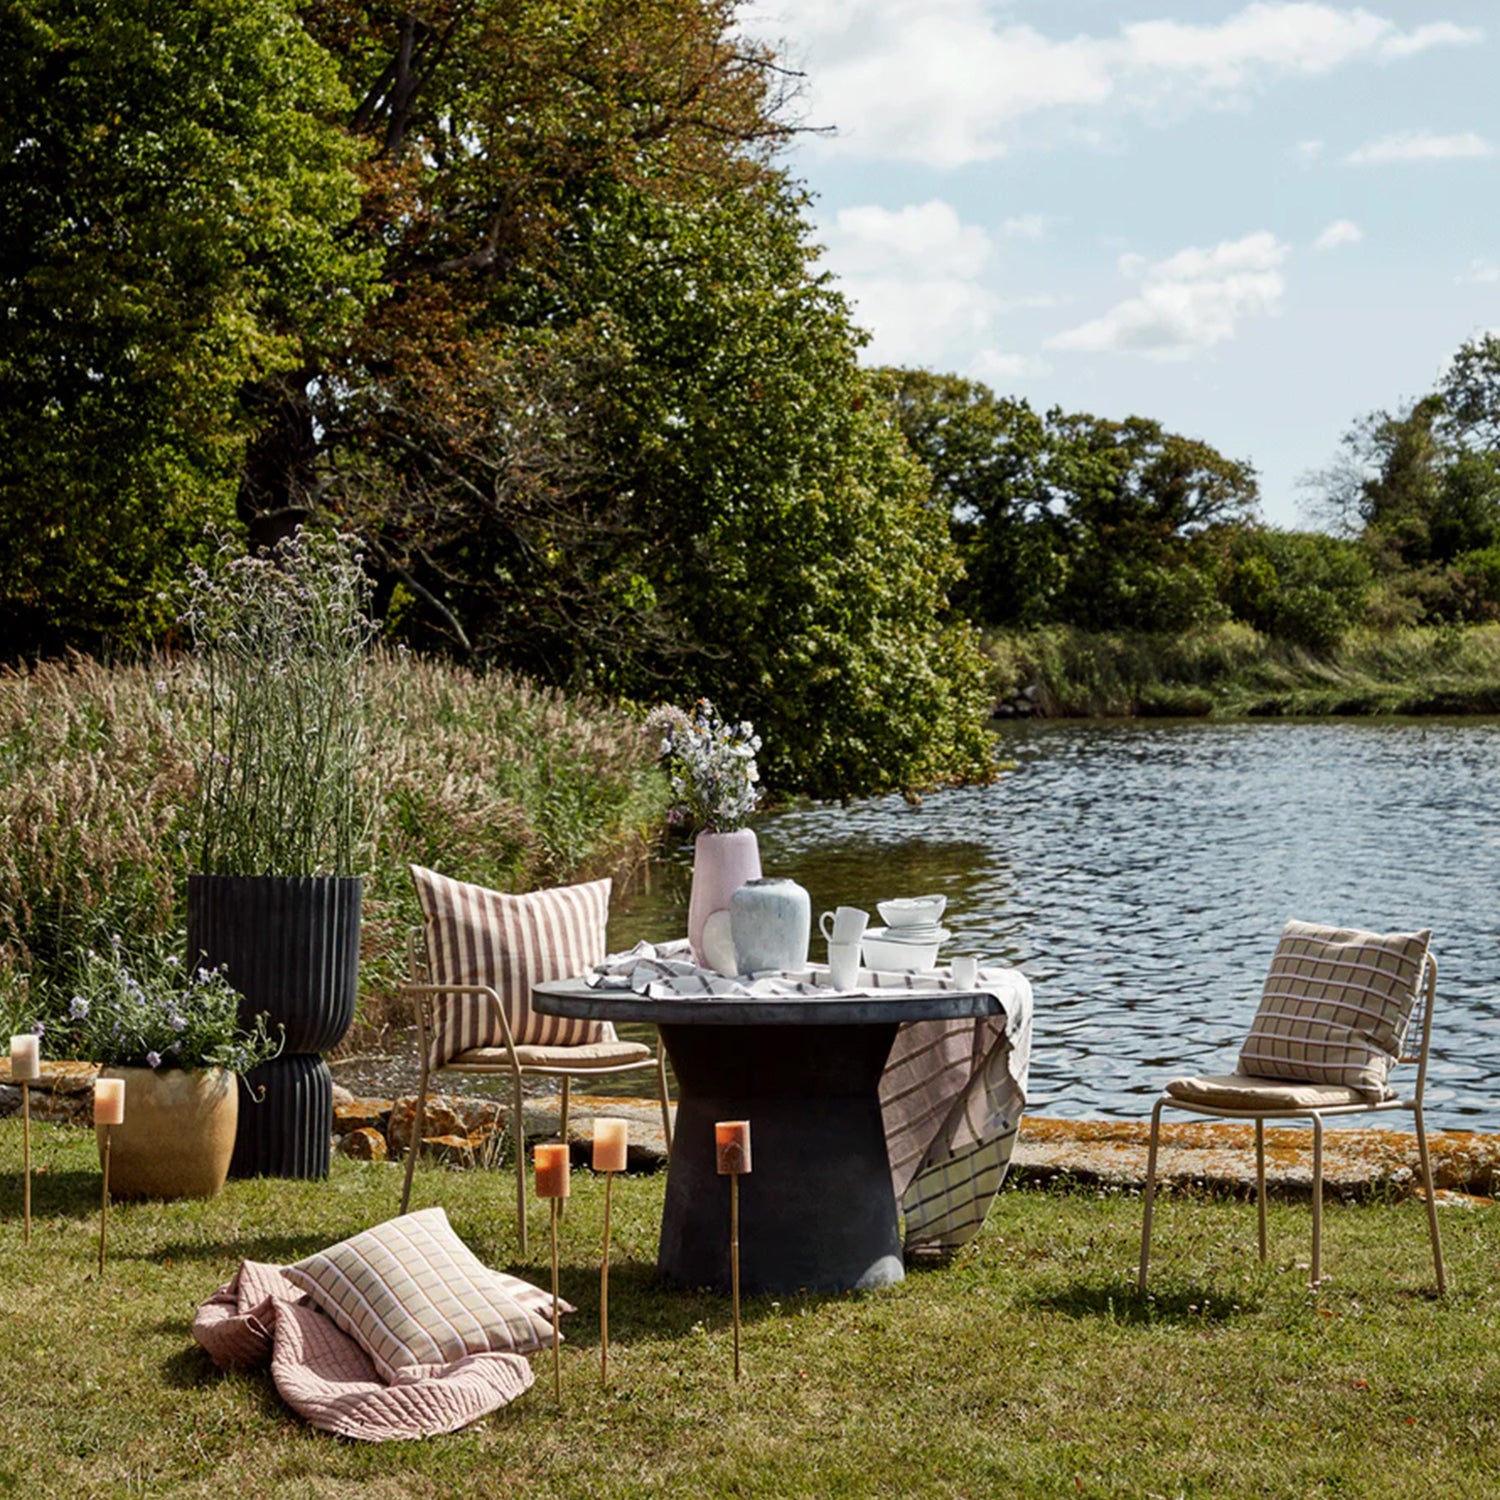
[(260, 1318)]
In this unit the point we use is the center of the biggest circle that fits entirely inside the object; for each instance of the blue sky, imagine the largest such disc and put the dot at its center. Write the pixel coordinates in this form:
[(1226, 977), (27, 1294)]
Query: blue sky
[(1252, 222)]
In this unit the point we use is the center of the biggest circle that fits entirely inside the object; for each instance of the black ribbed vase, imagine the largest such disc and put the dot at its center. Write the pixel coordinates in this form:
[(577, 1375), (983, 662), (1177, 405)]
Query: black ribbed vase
[(290, 945)]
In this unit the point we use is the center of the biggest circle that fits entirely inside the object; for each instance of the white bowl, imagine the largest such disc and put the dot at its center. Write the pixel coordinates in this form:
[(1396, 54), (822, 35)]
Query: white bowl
[(882, 949), (909, 911)]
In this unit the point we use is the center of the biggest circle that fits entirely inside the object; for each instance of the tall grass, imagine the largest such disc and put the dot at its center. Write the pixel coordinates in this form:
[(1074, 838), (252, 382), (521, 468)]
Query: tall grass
[(1234, 670), (487, 778)]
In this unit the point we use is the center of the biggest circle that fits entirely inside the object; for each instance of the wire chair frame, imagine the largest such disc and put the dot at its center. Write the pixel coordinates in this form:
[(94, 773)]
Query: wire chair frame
[(425, 995), (1420, 1025)]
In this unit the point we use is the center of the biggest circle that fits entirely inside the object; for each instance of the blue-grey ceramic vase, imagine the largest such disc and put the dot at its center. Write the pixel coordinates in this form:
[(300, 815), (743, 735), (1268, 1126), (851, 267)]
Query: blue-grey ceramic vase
[(770, 921)]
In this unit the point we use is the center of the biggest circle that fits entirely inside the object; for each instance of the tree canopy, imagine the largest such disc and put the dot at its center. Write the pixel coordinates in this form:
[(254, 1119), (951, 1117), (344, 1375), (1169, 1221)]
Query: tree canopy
[(519, 293)]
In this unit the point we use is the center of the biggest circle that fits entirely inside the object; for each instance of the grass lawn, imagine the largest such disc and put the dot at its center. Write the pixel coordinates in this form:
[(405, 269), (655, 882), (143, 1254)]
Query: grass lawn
[(1027, 1366)]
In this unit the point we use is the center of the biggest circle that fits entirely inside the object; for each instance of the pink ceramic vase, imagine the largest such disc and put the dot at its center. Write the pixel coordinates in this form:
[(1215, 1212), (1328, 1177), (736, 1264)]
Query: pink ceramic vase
[(722, 863)]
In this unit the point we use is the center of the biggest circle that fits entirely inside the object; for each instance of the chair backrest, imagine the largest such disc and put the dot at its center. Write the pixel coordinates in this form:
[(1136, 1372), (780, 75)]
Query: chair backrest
[(1416, 1046), (479, 938)]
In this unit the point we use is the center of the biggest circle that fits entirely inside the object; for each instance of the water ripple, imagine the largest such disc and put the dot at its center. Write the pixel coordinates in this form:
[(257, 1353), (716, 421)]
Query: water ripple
[(1139, 875)]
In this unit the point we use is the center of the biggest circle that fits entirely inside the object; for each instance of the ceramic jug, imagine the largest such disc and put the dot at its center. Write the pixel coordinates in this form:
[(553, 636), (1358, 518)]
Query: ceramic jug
[(770, 921)]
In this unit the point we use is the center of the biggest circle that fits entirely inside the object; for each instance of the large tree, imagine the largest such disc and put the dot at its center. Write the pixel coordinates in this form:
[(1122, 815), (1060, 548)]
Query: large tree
[(176, 195)]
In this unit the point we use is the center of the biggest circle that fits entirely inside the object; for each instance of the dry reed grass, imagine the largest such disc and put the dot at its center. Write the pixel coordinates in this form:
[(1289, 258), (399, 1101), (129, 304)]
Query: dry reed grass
[(486, 777)]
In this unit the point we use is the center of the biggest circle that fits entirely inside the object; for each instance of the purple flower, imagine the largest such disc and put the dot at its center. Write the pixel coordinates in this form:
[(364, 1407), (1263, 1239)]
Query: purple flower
[(153, 1059), (78, 1008), (40, 1029)]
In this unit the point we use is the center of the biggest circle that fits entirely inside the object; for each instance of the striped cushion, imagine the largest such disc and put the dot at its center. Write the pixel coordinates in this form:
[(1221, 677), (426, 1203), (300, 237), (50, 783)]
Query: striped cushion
[(479, 936), (1335, 1007), (415, 1297)]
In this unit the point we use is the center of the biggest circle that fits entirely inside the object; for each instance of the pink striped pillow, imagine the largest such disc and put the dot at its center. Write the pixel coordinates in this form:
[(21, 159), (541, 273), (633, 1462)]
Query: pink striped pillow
[(479, 936)]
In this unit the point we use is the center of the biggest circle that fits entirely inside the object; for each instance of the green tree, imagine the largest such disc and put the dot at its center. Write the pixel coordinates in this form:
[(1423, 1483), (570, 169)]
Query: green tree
[(1070, 517), (175, 201), (1299, 586)]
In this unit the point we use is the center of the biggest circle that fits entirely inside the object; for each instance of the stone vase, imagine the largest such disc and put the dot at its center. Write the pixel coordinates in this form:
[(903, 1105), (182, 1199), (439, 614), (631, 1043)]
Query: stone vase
[(177, 1135), (722, 863), (770, 921)]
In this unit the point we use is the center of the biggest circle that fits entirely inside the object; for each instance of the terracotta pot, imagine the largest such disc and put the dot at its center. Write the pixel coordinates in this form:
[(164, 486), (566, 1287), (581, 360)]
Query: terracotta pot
[(177, 1135), (722, 863)]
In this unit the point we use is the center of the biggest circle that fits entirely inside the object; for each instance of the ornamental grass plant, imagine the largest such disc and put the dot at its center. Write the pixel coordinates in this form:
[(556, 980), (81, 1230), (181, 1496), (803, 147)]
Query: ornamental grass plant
[(1026, 1368), (281, 642)]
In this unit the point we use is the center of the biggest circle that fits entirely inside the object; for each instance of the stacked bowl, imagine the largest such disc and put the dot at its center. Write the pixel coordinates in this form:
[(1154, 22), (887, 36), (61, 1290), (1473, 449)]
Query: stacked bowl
[(910, 940)]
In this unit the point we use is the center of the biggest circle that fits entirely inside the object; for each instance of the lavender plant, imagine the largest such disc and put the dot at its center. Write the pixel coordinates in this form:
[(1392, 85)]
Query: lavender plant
[(281, 643), (150, 1010), (711, 764)]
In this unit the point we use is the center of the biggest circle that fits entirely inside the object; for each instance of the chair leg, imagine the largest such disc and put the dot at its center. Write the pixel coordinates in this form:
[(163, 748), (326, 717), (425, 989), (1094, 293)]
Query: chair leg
[(1260, 1182), (1149, 1198), (666, 1103), (1432, 1212), (414, 1146), (518, 1119), (562, 1123), (1317, 1191)]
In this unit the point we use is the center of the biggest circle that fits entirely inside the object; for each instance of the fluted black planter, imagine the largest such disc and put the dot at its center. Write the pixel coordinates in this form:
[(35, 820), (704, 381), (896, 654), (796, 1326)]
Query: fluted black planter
[(290, 945)]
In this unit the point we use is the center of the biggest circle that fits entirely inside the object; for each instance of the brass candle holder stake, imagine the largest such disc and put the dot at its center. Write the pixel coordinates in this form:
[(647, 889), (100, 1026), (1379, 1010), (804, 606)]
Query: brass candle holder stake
[(109, 1111), (611, 1143), (732, 1142), (553, 1183), (25, 1069)]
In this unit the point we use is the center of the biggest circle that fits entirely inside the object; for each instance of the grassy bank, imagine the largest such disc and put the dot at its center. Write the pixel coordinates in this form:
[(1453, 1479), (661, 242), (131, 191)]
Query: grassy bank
[(486, 778), (1235, 671), (1028, 1367)]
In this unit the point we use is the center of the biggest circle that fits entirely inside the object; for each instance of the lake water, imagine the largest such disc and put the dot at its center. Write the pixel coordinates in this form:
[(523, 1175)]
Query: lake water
[(1139, 873)]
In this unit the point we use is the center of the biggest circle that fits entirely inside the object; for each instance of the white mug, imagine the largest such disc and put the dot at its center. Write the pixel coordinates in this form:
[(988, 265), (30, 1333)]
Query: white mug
[(843, 965), (965, 972), (846, 925)]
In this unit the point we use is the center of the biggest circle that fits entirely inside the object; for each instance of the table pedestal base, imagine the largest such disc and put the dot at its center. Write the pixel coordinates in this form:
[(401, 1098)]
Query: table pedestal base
[(816, 1212)]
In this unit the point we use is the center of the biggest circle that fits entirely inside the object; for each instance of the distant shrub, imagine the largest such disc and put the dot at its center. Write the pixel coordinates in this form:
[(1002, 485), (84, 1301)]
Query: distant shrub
[(1298, 586)]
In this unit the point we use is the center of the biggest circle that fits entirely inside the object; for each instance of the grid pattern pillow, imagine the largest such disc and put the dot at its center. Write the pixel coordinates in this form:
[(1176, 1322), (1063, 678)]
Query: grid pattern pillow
[(479, 936), (1336, 1006), (415, 1298)]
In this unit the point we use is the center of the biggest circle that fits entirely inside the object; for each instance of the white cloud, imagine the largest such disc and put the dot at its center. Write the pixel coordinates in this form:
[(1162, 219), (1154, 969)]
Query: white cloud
[(913, 276), (1306, 152), (928, 237), (1421, 145), (1025, 226), (992, 367), (1188, 302), (1481, 273), (948, 82), (1340, 232)]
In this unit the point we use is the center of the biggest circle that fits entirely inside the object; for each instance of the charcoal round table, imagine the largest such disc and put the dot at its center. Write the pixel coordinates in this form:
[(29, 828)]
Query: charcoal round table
[(817, 1211)]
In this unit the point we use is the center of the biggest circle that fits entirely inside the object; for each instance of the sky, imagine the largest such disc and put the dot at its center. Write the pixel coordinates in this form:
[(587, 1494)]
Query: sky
[(1253, 223)]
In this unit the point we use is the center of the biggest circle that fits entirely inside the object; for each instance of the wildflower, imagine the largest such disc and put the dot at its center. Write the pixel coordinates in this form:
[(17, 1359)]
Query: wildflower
[(40, 1029), (153, 1059), (78, 1008)]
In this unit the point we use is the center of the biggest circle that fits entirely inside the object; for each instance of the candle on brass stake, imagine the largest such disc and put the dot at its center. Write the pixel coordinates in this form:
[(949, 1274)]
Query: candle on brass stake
[(554, 1183), (25, 1069), (732, 1146), (109, 1111), (611, 1143)]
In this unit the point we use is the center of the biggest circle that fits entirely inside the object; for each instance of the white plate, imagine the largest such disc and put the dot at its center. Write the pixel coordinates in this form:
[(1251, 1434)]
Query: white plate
[(919, 935)]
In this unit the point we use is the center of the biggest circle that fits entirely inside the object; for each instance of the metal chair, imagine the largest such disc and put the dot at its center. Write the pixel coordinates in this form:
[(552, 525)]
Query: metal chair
[(1241, 1096), (518, 1061)]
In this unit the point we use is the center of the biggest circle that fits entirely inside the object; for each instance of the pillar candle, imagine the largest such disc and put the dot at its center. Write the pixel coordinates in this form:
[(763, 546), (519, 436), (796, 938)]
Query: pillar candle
[(552, 1175), (610, 1140), (732, 1137), (109, 1101), (25, 1058)]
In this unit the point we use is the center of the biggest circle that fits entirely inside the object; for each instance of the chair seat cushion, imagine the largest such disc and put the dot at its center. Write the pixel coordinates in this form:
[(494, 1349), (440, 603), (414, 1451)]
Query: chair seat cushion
[(611, 1054), (1248, 1092)]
